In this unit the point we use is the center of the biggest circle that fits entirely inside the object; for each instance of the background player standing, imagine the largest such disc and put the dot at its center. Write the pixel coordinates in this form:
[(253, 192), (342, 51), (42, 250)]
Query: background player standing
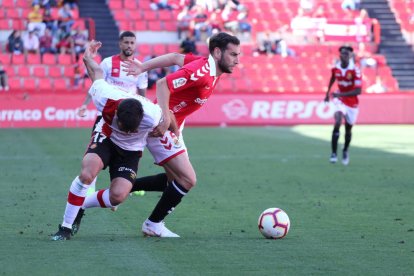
[(348, 77)]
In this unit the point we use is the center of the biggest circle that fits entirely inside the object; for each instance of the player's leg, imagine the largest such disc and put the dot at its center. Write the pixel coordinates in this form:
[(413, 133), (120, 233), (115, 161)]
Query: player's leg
[(91, 165), (350, 120), (184, 179), (335, 136), (152, 183)]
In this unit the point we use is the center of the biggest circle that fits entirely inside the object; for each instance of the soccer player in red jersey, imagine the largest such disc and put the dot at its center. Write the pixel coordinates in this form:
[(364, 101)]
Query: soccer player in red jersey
[(181, 94), (348, 77)]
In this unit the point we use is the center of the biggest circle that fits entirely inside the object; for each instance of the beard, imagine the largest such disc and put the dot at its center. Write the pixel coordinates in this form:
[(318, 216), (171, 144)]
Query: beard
[(223, 66), (127, 53)]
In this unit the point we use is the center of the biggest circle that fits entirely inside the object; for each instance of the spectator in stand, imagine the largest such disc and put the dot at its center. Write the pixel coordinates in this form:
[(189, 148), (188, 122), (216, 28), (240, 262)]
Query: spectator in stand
[(15, 43), (79, 41), (65, 18), (188, 45), (265, 44), (200, 23), (46, 43), (31, 43), (351, 5), (365, 57), (377, 87), (73, 4), (4, 79), (244, 26), (184, 19), (307, 5), (35, 19), (229, 17), (215, 21), (161, 5), (281, 47), (65, 45), (50, 22)]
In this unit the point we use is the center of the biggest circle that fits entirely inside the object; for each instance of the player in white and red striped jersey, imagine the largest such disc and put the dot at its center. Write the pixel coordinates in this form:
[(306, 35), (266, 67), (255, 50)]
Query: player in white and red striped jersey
[(181, 94), (118, 144), (348, 78), (111, 66)]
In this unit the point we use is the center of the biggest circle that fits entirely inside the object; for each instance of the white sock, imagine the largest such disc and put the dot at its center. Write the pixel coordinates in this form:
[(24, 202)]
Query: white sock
[(76, 197), (98, 199)]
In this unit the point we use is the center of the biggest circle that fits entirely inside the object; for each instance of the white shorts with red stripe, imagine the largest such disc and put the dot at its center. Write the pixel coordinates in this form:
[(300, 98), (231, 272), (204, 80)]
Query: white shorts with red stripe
[(166, 148), (350, 113)]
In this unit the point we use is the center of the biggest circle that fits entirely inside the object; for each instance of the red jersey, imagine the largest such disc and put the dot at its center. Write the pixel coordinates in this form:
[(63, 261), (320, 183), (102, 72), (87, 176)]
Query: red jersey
[(191, 86), (347, 79)]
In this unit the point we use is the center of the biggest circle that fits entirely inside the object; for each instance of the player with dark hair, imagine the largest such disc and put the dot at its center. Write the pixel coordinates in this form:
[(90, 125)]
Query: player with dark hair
[(348, 77), (113, 75), (181, 94), (118, 142)]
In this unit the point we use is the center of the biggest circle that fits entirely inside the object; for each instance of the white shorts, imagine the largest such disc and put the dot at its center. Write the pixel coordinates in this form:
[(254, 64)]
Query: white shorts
[(165, 148), (350, 113)]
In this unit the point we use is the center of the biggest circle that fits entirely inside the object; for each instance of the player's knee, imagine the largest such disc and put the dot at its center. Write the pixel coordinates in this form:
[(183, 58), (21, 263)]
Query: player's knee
[(86, 177), (187, 181), (117, 198)]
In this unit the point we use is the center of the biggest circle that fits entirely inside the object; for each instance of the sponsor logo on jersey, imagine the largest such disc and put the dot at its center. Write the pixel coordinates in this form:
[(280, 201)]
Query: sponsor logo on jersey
[(349, 75), (179, 106), (200, 101), (93, 146), (115, 70), (179, 82), (345, 83)]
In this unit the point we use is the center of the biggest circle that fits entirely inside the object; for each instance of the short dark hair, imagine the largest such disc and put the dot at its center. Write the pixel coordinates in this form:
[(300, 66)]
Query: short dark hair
[(126, 34), (130, 114), (221, 40), (345, 47)]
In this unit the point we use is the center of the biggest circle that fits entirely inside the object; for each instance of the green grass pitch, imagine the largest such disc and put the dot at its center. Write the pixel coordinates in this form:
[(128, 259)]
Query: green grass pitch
[(354, 220)]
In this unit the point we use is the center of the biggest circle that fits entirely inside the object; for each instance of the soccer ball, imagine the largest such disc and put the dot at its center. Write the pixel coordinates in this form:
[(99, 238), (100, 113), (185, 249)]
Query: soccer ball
[(274, 223)]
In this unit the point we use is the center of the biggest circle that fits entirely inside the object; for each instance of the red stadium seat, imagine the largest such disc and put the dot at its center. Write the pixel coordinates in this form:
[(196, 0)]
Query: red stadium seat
[(13, 13), (15, 83), (55, 71), (5, 58), (49, 59), (61, 84), (7, 3), (65, 59), (158, 49), (45, 84), (33, 59), (144, 49), (140, 26), (39, 71), (17, 59), (30, 83), (4, 24), (115, 4), (135, 15), (69, 71), (130, 5), (23, 71)]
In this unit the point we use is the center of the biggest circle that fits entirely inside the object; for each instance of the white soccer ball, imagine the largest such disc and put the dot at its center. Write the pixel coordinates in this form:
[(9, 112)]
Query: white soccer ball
[(274, 223)]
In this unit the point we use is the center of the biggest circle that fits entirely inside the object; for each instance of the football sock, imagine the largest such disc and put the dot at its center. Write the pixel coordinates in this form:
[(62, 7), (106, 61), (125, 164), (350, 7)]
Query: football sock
[(98, 199), (92, 187), (76, 197), (153, 183), (169, 200), (334, 141), (348, 136)]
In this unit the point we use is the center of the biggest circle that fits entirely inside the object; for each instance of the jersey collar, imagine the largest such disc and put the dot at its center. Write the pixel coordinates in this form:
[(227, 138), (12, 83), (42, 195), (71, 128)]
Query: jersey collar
[(212, 65)]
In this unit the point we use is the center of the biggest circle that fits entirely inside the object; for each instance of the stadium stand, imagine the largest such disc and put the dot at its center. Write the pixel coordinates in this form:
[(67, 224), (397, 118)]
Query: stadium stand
[(305, 68)]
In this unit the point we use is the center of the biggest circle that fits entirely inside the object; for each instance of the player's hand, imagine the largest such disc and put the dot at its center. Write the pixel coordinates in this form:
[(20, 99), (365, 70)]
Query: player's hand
[(81, 111), (132, 67), (92, 47), (161, 128), (335, 95), (174, 126)]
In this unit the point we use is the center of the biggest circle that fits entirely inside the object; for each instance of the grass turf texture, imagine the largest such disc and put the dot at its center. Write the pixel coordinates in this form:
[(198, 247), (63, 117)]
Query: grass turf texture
[(355, 220)]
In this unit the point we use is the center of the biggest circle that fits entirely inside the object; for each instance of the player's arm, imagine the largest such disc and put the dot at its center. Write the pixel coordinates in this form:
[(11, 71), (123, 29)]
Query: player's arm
[(134, 67), (82, 109), (95, 72), (331, 82), (163, 98)]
